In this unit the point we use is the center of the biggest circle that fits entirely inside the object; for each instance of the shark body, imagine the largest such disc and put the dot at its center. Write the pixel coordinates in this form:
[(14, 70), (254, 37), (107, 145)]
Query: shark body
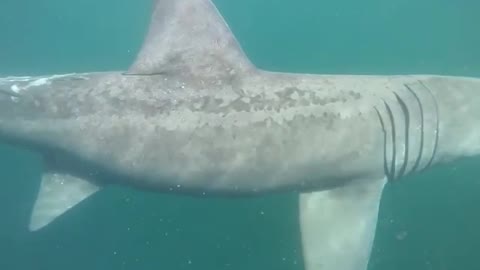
[(194, 116)]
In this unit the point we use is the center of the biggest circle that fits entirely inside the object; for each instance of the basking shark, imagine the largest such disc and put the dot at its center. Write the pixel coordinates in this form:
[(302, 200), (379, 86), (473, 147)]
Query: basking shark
[(193, 116)]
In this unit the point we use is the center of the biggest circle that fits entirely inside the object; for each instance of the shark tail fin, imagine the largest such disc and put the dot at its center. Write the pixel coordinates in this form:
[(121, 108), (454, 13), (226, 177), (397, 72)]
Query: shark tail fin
[(58, 193)]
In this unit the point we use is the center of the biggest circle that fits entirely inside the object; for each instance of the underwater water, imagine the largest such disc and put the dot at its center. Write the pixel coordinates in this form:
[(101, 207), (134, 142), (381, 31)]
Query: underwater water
[(427, 221)]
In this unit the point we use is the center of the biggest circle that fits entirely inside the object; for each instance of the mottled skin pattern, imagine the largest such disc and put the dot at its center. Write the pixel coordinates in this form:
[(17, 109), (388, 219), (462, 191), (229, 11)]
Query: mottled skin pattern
[(257, 133), (265, 132)]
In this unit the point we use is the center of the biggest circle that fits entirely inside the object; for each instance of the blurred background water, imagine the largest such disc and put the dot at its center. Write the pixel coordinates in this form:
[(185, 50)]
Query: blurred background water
[(428, 221)]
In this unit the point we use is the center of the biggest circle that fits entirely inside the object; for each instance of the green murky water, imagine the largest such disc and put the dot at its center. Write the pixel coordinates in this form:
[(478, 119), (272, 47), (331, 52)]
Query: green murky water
[(426, 222)]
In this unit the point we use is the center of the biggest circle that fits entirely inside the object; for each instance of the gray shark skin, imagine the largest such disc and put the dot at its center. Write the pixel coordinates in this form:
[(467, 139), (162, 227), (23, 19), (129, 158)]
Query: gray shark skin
[(194, 116)]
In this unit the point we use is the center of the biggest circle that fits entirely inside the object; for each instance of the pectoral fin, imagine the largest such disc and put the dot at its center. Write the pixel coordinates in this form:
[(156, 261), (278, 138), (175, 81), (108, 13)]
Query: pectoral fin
[(58, 193), (338, 226)]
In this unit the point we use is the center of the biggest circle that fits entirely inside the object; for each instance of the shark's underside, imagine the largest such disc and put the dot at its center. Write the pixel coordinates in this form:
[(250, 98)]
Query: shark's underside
[(194, 116)]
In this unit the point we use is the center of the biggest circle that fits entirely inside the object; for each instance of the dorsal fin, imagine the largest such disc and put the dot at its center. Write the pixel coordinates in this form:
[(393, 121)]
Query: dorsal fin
[(191, 38)]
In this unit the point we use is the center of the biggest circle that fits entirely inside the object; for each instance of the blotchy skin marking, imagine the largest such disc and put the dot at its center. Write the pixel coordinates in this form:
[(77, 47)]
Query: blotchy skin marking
[(208, 139)]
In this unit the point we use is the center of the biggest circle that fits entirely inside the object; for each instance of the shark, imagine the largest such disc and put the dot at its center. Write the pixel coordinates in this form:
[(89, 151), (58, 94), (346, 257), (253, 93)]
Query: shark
[(194, 116)]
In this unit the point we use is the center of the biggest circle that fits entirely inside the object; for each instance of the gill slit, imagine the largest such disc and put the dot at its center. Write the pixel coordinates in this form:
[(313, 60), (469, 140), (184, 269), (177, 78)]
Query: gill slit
[(422, 131), (385, 163), (394, 143), (406, 114), (437, 128)]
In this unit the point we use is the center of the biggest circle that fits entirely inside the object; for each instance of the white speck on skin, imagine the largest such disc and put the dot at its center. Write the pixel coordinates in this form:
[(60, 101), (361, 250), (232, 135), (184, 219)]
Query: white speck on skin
[(15, 88)]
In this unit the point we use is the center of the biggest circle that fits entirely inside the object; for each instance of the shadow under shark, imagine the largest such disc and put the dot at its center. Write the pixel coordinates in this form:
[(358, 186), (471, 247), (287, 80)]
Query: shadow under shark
[(194, 116)]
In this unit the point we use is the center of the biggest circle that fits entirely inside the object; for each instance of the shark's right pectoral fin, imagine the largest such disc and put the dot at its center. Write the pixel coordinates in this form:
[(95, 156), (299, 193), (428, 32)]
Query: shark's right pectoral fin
[(58, 193), (338, 226)]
